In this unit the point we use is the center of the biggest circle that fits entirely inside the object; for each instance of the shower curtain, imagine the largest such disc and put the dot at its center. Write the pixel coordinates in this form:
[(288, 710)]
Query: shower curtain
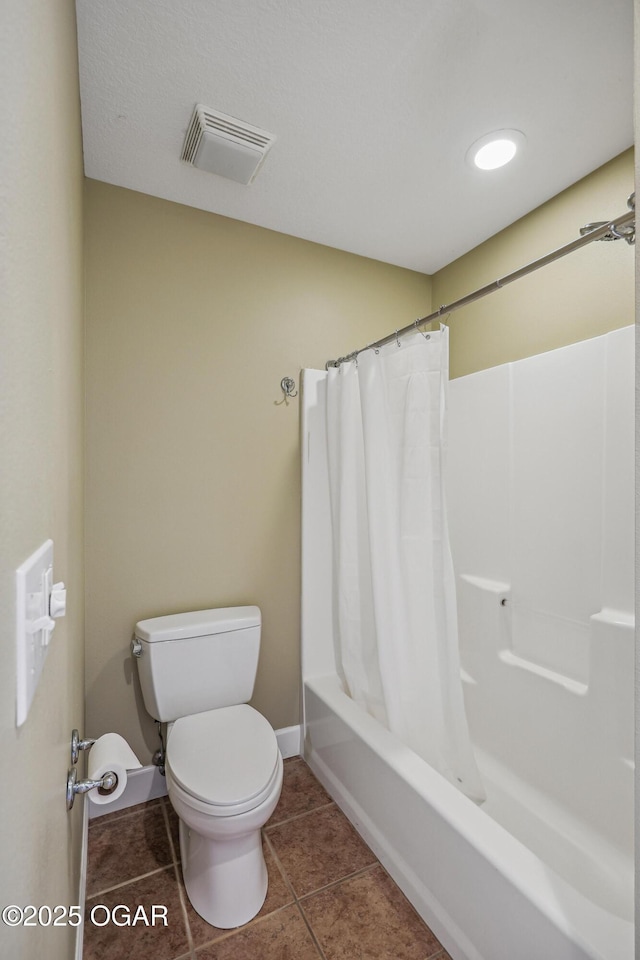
[(395, 608)]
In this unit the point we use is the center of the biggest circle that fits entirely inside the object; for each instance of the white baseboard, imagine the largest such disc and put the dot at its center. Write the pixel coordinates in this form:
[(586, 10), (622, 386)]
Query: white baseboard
[(289, 741), (144, 784), (148, 783)]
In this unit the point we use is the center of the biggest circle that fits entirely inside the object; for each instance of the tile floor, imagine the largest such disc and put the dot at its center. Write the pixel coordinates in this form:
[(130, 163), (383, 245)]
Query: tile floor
[(328, 899)]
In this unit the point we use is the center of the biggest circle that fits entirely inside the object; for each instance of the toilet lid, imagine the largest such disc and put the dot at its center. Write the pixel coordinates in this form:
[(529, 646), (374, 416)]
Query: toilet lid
[(223, 757)]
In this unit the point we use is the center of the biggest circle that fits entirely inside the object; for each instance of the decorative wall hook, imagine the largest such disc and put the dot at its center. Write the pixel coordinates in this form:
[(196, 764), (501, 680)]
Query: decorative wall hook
[(288, 387)]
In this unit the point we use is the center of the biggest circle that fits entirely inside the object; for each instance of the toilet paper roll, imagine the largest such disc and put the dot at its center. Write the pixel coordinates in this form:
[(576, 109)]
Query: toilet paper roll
[(111, 753)]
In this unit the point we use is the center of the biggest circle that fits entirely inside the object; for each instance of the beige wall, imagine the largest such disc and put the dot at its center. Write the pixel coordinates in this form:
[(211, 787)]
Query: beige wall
[(193, 497), (583, 295), (192, 470), (636, 88), (41, 444)]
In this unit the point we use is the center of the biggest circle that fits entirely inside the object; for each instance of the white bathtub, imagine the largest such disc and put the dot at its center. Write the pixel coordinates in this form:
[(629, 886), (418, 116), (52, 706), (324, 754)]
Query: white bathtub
[(544, 869), (485, 895)]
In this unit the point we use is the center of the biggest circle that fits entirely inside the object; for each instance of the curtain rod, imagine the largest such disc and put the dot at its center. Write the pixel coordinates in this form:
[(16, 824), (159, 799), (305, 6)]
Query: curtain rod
[(622, 227)]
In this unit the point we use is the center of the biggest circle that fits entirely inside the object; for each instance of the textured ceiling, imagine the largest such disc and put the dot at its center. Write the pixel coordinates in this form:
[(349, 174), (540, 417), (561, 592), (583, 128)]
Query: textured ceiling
[(374, 104)]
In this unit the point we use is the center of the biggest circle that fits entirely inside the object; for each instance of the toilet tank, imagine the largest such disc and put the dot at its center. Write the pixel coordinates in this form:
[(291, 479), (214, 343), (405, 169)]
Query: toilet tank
[(192, 662)]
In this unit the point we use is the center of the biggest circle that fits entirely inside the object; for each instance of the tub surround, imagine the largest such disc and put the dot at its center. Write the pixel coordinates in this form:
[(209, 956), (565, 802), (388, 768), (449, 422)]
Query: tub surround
[(546, 527), (550, 851)]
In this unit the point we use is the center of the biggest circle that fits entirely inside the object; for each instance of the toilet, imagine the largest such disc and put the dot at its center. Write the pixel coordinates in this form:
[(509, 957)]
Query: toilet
[(223, 766)]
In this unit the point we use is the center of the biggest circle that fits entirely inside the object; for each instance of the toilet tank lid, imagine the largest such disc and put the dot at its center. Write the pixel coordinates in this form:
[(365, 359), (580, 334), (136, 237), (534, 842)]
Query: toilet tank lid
[(199, 623)]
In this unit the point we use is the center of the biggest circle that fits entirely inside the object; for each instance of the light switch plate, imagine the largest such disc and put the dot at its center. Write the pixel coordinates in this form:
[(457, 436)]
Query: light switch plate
[(34, 625)]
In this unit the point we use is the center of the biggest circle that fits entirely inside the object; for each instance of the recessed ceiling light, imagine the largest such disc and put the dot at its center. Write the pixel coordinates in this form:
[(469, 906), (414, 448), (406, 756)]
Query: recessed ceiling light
[(495, 149)]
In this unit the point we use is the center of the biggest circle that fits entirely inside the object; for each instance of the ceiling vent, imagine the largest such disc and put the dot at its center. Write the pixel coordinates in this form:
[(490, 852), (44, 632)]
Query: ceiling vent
[(224, 145)]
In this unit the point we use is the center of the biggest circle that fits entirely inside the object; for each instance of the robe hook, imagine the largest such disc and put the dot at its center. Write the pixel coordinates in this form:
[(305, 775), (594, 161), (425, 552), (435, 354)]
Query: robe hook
[(288, 387)]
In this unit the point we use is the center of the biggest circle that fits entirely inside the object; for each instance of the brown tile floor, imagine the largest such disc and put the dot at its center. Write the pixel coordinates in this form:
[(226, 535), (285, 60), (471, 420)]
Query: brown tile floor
[(328, 898)]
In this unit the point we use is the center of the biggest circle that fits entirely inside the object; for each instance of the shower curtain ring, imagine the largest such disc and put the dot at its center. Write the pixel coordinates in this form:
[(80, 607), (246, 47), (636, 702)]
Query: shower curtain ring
[(427, 336), (397, 339)]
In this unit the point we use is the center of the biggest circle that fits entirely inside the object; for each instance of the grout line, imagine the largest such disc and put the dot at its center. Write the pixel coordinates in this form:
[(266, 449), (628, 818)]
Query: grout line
[(125, 883), (181, 891), (185, 916), (227, 934), (327, 886), (297, 900), (121, 814), (336, 883), (280, 866), (165, 814), (310, 929), (299, 816), (411, 906), (375, 862)]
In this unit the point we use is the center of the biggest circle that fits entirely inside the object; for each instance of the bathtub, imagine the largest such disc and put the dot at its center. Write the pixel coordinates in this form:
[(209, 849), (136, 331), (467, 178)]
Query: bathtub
[(543, 870), (485, 895)]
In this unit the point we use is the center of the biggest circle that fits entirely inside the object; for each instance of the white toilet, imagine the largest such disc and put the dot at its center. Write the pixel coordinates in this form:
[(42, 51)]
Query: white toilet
[(223, 765)]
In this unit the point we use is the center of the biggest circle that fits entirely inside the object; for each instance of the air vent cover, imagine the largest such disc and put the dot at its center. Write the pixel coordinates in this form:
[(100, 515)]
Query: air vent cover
[(225, 145)]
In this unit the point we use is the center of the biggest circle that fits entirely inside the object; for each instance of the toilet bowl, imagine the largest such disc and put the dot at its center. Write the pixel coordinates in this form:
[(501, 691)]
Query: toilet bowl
[(223, 766), (222, 805)]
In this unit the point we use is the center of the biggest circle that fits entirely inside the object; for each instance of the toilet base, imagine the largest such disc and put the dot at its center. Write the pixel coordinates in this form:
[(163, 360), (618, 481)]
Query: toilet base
[(222, 861), (225, 879)]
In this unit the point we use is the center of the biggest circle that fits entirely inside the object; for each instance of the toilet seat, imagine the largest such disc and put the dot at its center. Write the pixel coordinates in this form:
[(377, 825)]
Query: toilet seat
[(224, 761)]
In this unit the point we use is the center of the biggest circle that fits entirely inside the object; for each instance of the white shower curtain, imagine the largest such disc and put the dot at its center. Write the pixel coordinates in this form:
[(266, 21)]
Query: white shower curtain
[(395, 606)]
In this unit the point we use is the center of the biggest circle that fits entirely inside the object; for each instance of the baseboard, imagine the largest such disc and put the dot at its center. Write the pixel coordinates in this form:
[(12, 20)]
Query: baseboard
[(148, 783), (144, 784), (289, 741)]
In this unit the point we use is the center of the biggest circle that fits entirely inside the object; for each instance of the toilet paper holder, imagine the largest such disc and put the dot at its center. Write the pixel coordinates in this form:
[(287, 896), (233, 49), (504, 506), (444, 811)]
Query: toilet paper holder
[(77, 745), (106, 784)]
